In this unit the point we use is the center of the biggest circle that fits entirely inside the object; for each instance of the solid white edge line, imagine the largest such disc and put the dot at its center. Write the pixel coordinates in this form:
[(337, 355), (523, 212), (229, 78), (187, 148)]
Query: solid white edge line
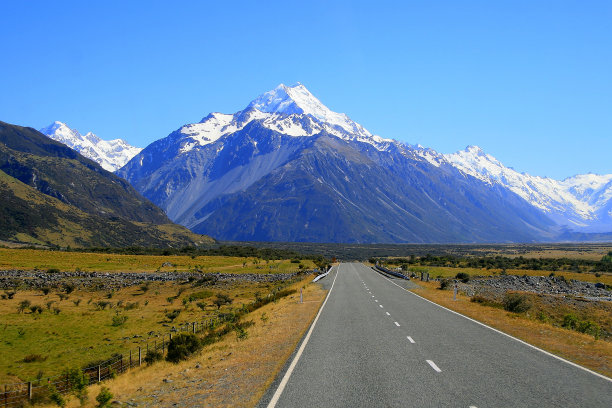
[(283, 383), (505, 334), (410, 339), (433, 365)]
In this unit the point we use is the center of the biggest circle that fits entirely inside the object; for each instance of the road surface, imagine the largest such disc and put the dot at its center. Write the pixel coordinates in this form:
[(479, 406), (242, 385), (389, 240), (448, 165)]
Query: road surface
[(376, 345)]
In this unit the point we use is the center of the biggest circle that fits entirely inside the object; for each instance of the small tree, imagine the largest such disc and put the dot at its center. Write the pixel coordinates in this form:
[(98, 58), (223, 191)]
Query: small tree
[(104, 397), (182, 346), (23, 305)]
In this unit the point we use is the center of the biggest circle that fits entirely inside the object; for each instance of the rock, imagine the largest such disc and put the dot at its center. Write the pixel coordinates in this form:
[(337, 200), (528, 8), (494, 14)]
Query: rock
[(167, 380), (198, 365)]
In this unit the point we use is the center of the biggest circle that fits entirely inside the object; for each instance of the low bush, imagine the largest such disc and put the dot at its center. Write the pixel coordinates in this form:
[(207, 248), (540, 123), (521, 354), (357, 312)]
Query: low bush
[(182, 346), (119, 320), (516, 303), (33, 358), (485, 301), (104, 397), (153, 356), (173, 314), (463, 276), (571, 321), (446, 284)]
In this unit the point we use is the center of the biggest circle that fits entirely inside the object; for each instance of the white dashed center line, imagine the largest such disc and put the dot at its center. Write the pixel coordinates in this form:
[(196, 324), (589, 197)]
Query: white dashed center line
[(410, 339), (376, 300), (380, 305), (388, 314), (397, 324), (434, 366)]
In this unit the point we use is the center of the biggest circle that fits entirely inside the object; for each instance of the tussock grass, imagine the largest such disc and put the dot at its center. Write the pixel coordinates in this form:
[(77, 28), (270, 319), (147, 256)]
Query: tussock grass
[(232, 372), (96, 327)]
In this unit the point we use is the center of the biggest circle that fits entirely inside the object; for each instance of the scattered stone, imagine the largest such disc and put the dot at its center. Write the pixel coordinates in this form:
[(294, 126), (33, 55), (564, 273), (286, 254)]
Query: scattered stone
[(167, 380)]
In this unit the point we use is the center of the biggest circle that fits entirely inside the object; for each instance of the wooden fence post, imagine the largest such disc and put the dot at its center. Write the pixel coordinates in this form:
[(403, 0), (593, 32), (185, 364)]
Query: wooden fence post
[(121, 364), (139, 356), (30, 390), (99, 373), (130, 358), (193, 327)]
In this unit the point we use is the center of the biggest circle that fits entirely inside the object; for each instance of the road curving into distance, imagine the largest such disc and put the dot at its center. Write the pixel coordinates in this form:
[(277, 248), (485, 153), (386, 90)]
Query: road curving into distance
[(374, 344)]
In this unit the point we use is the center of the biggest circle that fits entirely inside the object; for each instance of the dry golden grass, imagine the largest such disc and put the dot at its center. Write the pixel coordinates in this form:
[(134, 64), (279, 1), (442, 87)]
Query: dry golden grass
[(580, 348), (30, 259), (231, 373)]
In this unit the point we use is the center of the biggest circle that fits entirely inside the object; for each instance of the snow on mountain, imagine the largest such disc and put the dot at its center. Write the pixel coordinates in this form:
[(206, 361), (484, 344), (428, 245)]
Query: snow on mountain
[(576, 201), (110, 154), (290, 110)]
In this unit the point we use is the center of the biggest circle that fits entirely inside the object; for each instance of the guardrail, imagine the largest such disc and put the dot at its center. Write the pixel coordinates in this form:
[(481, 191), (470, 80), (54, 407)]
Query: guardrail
[(323, 275), (390, 272)]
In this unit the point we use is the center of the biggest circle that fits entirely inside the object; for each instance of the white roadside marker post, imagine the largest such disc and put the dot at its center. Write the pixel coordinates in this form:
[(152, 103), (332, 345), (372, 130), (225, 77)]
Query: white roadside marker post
[(455, 292), (301, 296)]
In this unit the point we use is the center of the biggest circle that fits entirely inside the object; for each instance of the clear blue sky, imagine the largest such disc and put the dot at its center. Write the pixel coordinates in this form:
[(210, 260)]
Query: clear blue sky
[(528, 81)]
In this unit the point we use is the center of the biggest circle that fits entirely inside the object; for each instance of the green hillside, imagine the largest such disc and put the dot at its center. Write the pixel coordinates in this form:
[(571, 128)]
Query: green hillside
[(53, 195)]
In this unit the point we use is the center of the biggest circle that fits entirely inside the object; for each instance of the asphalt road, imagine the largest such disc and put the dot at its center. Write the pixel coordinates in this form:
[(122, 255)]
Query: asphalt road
[(376, 345)]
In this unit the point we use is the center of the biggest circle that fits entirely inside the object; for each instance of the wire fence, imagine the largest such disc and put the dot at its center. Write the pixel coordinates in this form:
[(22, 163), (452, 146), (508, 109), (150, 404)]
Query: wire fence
[(40, 389)]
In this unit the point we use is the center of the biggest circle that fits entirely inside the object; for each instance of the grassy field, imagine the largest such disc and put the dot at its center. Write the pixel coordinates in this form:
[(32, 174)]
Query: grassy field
[(580, 348), (32, 259), (82, 331), (231, 373)]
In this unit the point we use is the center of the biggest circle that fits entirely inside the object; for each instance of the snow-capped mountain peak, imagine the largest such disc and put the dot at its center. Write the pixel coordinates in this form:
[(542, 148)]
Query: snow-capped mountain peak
[(577, 201), (297, 99), (110, 154), (289, 110)]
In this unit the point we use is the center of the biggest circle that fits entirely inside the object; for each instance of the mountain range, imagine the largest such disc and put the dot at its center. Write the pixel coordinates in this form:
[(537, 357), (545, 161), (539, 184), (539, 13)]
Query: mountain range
[(52, 195), (110, 154), (287, 168)]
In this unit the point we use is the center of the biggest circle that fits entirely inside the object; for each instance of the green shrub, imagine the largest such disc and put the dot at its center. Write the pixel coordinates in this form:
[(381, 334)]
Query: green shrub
[(222, 299), (201, 305), (53, 270), (445, 284), (571, 321), (173, 314), (23, 305), (104, 397), (119, 320), (36, 309), (182, 346), (76, 380), (57, 398), (516, 303), (153, 356), (463, 276)]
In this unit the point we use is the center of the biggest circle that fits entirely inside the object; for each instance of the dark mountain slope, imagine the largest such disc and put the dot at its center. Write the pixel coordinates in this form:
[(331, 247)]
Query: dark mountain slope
[(335, 193), (53, 195)]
